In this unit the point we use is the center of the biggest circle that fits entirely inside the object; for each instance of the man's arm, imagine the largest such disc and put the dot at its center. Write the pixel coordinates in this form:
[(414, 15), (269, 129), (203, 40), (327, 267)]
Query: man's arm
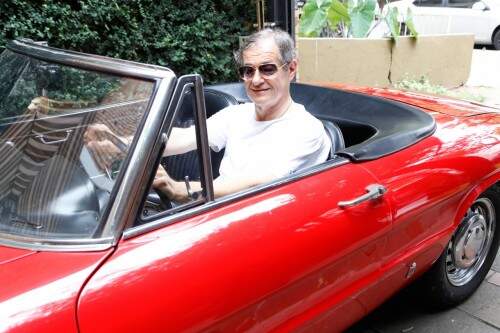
[(231, 185), (177, 191), (180, 141)]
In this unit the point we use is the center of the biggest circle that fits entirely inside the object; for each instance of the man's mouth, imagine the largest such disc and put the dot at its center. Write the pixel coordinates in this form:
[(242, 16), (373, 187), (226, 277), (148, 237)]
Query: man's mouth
[(260, 90)]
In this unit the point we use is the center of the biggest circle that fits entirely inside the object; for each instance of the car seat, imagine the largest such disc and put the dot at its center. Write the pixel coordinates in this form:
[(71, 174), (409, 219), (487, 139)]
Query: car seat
[(335, 135)]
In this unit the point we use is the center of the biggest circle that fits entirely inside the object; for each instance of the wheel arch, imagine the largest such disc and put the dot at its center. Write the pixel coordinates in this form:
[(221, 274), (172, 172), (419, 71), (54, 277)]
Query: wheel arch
[(493, 34), (492, 182)]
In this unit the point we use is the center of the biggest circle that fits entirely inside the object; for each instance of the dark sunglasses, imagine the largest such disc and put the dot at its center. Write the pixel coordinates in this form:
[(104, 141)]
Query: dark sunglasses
[(266, 70)]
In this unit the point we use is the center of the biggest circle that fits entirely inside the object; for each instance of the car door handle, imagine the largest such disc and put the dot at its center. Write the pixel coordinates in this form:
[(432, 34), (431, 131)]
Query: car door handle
[(374, 191), (43, 139)]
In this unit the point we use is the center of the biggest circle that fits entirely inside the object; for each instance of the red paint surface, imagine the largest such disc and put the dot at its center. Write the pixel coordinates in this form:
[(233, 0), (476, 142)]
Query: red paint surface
[(38, 292), (287, 259)]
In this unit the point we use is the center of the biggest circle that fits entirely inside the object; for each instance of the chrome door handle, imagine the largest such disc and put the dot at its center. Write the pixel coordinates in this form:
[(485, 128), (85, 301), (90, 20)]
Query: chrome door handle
[(374, 191)]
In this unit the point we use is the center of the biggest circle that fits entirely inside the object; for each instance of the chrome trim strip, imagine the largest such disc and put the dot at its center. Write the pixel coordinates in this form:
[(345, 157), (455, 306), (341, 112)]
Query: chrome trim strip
[(126, 205), (57, 245), (87, 61), (164, 219)]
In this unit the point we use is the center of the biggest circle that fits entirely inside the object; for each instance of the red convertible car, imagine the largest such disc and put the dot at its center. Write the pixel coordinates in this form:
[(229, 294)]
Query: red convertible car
[(411, 190)]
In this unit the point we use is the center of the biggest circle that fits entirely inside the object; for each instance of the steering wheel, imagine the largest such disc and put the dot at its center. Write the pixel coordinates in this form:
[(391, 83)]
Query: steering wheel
[(159, 198)]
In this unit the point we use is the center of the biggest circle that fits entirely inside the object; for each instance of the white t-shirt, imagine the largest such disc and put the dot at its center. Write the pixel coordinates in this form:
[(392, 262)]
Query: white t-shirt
[(277, 147)]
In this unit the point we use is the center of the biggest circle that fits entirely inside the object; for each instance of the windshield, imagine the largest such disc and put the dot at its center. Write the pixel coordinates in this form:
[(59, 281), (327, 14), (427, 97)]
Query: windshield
[(56, 168)]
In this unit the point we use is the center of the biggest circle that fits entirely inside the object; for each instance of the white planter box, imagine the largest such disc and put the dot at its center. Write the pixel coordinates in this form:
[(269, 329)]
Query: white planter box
[(443, 59)]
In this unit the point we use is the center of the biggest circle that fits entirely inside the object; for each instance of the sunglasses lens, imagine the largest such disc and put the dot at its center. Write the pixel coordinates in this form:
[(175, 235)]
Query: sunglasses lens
[(246, 72), (268, 69)]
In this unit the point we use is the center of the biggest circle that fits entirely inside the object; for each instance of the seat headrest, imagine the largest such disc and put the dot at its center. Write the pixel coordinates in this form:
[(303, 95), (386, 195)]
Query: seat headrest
[(217, 100), (336, 137)]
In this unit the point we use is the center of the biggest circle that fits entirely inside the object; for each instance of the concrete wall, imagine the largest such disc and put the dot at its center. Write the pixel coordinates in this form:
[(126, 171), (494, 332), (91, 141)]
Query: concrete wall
[(444, 60)]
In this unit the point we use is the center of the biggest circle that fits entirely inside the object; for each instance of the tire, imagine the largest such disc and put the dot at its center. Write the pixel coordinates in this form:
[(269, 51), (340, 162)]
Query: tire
[(496, 39), (468, 256)]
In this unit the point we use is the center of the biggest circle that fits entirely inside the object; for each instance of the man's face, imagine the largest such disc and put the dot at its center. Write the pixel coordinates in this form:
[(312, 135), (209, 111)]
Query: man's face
[(268, 92)]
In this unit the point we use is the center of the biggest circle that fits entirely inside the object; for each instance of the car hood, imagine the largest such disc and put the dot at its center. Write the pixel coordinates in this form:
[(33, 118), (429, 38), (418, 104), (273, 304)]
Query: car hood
[(8, 254), (441, 104), (40, 288)]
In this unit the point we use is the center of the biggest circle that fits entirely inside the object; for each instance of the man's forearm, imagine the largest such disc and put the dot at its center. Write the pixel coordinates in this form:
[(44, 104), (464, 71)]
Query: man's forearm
[(180, 141), (231, 185)]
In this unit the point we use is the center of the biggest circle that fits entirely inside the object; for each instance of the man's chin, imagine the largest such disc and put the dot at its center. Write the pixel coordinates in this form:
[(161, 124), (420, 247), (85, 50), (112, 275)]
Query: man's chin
[(259, 97)]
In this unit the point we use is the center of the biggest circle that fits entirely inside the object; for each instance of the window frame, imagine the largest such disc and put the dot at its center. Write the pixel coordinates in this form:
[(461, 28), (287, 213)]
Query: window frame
[(194, 84), (447, 5), (442, 5)]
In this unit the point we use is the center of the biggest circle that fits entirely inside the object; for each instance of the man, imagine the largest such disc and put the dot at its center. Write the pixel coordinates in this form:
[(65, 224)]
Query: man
[(263, 140)]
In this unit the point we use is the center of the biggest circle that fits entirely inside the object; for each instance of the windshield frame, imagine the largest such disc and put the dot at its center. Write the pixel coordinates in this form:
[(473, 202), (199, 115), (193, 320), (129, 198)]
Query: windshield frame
[(122, 205)]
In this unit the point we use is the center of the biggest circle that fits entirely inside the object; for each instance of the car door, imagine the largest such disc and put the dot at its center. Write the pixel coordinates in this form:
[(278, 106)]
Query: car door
[(282, 255), (430, 16)]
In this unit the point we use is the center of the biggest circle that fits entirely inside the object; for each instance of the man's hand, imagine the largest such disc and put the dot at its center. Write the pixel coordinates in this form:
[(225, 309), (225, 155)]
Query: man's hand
[(96, 132), (174, 190), (100, 141)]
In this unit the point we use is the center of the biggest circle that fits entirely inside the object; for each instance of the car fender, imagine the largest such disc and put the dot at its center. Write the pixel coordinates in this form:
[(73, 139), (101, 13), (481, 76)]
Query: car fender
[(489, 181)]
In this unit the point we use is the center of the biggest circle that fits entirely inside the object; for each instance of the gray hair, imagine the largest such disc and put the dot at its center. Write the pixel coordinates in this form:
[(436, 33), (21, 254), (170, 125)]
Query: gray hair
[(282, 39)]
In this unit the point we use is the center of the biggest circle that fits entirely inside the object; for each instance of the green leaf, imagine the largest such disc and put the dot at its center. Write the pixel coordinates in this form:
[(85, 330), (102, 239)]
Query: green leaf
[(392, 21), (338, 13), (362, 14), (313, 18), (410, 24)]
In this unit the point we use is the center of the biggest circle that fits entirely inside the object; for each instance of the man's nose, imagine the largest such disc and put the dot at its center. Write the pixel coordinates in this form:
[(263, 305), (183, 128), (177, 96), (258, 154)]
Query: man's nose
[(257, 78)]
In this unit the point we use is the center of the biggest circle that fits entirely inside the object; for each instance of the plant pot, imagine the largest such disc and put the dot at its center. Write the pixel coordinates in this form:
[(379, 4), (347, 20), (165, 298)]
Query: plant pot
[(379, 62)]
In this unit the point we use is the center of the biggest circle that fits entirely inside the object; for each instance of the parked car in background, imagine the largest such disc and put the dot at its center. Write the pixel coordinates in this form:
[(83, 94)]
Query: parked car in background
[(481, 18), (410, 190)]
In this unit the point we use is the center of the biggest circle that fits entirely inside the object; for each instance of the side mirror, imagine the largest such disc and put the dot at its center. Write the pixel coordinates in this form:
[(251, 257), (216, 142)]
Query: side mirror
[(481, 6)]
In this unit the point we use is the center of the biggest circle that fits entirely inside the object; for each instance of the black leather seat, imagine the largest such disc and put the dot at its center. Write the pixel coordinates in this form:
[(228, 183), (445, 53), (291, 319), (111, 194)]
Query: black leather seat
[(216, 101), (336, 137)]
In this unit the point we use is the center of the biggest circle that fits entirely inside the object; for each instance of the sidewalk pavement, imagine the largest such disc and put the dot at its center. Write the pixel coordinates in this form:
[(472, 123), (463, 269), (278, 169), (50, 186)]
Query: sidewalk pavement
[(484, 78), (405, 312)]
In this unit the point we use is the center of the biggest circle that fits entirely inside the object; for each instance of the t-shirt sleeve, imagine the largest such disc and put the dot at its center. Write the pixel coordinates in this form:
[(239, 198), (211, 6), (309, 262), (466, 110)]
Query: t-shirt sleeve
[(217, 129)]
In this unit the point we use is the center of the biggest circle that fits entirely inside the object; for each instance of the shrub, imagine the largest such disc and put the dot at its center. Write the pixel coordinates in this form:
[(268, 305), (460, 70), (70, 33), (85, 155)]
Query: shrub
[(186, 36)]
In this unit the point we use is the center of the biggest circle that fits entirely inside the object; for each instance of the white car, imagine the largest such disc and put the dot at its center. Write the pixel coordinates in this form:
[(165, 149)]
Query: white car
[(482, 18)]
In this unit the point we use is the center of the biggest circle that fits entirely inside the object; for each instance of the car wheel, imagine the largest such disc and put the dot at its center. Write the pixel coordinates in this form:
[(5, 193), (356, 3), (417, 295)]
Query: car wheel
[(468, 256), (496, 40)]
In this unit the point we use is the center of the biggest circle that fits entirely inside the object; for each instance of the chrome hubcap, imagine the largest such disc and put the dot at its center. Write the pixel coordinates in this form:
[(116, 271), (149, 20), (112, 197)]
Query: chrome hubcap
[(470, 244)]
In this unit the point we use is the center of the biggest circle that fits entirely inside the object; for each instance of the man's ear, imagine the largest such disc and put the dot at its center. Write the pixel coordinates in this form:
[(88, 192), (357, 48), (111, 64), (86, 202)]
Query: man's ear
[(292, 69)]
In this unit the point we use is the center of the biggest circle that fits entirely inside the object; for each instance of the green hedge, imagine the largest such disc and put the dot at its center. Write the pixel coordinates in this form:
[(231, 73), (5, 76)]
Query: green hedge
[(187, 36)]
